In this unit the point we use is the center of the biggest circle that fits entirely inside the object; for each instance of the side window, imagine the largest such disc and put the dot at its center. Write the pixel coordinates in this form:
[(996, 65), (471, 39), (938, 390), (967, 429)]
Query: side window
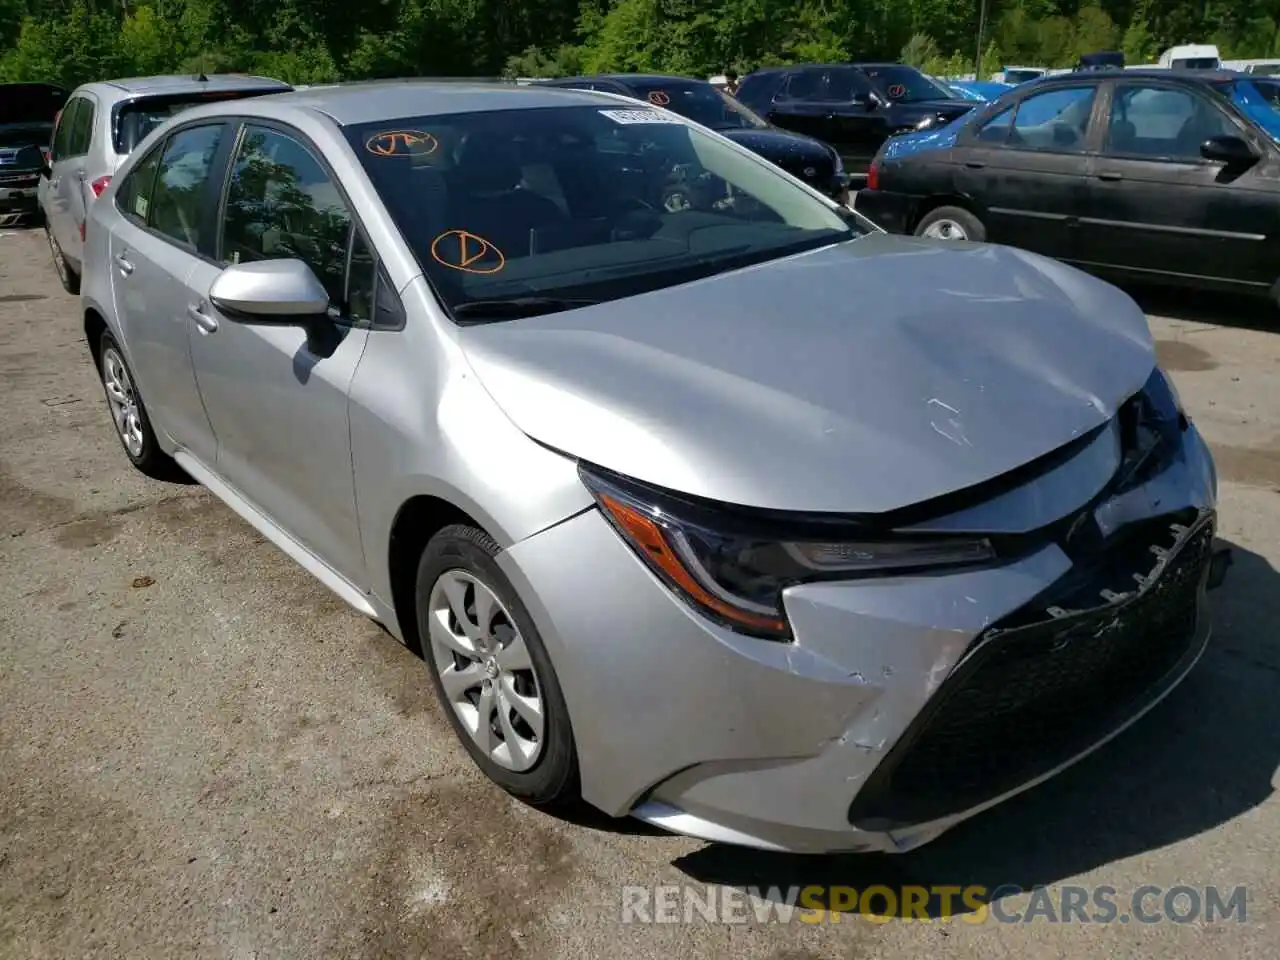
[(362, 278), (1055, 121), (1162, 124), (801, 86), (177, 198), (62, 136), (281, 205), (839, 86), (134, 196), (996, 130), (81, 129)]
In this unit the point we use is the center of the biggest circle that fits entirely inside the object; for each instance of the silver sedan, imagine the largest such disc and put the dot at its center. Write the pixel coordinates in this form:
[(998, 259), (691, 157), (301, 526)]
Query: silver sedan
[(738, 516)]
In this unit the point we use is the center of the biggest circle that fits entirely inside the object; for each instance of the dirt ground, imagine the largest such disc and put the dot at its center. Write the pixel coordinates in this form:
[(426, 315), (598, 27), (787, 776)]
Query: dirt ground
[(204, 754)]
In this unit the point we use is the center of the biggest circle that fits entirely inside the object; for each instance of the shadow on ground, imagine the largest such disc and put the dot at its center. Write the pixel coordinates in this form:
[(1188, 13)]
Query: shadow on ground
[(1199, 760), (1220, 309)]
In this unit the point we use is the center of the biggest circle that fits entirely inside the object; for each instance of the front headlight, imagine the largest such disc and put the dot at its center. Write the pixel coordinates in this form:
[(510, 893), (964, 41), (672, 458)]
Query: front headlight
[(732, 564)]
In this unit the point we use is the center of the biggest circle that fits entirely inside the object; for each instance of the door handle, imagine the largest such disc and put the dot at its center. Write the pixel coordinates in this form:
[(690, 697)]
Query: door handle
[(123, 263), (1110, 177), (206, 323), (974, 164)]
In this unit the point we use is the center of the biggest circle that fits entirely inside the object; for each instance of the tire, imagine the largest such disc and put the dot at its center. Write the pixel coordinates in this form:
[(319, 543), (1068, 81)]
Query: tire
[(69, 278), (459, 560), (951, 223), (129, 415)]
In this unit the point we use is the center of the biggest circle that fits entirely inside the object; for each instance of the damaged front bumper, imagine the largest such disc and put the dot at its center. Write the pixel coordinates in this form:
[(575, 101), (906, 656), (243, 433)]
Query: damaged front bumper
[(905, 704)]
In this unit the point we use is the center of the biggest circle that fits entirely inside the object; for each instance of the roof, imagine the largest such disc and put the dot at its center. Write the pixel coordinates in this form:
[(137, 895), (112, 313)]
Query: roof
[(188, 83), (366, 101), (629, 79), (1147, 73)]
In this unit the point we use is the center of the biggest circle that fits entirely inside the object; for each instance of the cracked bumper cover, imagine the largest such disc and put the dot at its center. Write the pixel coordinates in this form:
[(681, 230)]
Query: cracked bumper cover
[(729, 738)]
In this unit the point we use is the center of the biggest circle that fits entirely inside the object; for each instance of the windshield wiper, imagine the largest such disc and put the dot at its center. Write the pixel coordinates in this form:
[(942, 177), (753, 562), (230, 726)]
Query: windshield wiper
[(513, 308)]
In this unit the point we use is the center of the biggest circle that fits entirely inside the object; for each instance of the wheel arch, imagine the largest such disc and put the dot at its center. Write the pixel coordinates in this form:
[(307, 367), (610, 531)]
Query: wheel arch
[(95, 325), (416, 521)]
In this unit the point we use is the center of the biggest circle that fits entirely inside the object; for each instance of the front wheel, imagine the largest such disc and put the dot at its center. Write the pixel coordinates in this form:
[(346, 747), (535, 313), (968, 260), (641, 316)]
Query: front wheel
[(491, 671), (951, 223)]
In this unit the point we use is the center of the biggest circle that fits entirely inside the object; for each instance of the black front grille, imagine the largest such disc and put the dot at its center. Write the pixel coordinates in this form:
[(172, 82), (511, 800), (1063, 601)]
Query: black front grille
[(1048, 681), (19, 179)]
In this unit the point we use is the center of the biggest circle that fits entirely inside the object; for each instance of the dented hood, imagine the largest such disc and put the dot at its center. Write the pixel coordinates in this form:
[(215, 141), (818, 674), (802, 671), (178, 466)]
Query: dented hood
[(857, 378)]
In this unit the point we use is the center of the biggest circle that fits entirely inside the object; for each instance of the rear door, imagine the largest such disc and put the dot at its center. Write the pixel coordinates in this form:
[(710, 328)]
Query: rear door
[(57, 211), (166, 208), (1026, 167), (68, 181), (801, 105), (1157, 207)]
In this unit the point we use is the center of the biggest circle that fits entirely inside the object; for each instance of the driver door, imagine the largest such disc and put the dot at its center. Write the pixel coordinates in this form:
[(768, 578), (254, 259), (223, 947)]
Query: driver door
[(277, 394)]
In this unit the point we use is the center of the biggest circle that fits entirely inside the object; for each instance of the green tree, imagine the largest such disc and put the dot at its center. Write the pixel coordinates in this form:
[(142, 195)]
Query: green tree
[(920, 50)]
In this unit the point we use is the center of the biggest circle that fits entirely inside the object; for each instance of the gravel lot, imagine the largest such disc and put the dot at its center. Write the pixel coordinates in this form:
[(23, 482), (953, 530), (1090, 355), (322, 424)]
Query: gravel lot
[(203, 753)]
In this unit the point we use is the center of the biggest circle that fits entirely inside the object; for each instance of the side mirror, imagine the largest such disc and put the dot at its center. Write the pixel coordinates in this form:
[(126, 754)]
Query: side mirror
[(1228, 149), (270, 291)]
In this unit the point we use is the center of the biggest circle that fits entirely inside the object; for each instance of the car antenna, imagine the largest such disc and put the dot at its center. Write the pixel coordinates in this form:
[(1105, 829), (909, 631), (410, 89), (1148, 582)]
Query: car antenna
[(201, 77)]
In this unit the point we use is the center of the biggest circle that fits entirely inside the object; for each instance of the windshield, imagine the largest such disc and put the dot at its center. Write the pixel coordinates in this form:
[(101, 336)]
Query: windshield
[(701, 103), (585, 202), (1022, 76), (1253, 92), (1267, 88), (905, 84), (25, 134), (137, 118), (1197, 63)]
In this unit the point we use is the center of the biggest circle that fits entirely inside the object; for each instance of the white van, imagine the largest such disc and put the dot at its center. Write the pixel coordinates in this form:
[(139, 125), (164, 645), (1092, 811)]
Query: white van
[(1192, 56)]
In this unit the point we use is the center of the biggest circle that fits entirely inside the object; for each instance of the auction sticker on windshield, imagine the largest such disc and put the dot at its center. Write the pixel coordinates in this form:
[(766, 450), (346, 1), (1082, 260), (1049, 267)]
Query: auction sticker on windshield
[(638, 116)]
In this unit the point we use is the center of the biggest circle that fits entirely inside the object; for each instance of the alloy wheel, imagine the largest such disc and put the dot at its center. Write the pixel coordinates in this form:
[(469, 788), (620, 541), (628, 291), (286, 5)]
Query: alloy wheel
[(123, 401), (946, 230), (485, 670)]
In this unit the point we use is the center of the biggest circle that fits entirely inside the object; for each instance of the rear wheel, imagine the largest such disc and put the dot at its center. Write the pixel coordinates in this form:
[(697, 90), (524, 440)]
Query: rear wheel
[(69, 278), (491, 671), (951, 223)]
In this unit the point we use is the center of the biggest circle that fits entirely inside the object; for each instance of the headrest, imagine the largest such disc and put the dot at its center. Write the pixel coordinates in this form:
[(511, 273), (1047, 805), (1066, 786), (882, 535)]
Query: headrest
[(487, 161)]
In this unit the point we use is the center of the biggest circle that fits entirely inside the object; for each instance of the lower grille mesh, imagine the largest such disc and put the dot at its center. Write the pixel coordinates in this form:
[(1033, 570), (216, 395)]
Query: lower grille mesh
[(1032, 695)]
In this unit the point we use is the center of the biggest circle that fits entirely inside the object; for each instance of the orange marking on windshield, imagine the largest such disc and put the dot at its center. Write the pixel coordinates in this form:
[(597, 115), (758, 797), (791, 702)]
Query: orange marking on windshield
[(402, 143), (472, 253)]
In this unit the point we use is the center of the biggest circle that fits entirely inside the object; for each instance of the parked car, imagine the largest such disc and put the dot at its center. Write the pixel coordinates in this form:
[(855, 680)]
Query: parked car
[(679, 525), (27, 113), (1101, 60), (982, 91), (99, 125), (813, 161), (1016, 75), (854, 107), (1147, 174)]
